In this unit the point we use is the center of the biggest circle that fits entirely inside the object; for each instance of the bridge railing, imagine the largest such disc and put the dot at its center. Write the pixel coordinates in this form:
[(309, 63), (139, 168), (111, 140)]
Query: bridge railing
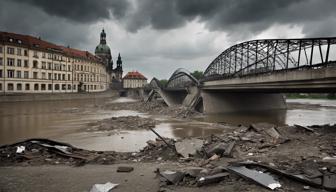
[(269, 55)]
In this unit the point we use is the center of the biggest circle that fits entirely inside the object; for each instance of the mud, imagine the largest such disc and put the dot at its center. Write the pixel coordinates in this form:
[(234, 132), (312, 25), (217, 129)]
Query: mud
[(288, 148), (121, 123)]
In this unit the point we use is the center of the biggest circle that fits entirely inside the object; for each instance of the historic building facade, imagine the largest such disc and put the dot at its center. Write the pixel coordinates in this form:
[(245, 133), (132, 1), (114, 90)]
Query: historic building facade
[(103, 51), (31, 65), (134, 79)]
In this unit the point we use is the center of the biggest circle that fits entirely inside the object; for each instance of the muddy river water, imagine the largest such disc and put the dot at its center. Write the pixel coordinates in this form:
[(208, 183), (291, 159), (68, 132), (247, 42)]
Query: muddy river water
[(62, 120)]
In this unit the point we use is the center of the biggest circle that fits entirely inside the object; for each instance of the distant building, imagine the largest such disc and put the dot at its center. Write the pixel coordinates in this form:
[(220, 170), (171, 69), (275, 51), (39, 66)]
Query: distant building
[(31, 65), (103, 51), (134, 80)]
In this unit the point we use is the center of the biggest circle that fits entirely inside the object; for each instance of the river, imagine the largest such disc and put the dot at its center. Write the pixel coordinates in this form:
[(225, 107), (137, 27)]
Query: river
[(62, 120)]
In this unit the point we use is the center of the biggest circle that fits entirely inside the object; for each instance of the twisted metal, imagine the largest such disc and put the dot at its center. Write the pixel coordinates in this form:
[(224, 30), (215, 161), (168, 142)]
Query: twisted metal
[(180, 79), (268, 55)]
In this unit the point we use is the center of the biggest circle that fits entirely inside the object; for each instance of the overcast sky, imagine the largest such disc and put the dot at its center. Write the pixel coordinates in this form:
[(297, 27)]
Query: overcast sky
[(156, 37)]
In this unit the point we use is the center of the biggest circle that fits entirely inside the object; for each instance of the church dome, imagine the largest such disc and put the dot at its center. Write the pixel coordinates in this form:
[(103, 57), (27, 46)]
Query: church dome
[(103, 49)]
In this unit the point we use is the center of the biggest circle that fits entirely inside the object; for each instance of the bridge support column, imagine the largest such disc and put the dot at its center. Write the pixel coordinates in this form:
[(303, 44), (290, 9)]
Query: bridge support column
[(223, 102), (172, 98), (192, 97)]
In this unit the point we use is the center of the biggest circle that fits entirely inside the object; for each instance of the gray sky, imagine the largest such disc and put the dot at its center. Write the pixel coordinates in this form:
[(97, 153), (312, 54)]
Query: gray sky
[(156, 37)]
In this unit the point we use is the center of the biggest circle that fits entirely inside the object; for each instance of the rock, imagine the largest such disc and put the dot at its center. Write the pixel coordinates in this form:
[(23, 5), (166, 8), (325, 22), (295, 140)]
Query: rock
[(188, 147), (173, 177), (214, 157), (217, 170), (228, 149), (125, 169), (103, 187), (211, 179), (20, 149), (260, 127), (193, 171), (216, 149), (306, 187)]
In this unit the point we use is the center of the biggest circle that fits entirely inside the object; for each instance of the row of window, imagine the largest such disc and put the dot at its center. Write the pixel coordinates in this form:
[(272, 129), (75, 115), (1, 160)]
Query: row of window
[(45, 65), (57, 76), (45, 87)]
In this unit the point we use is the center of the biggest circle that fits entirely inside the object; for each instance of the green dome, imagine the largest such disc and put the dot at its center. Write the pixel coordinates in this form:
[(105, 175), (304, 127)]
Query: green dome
[(102, 48)]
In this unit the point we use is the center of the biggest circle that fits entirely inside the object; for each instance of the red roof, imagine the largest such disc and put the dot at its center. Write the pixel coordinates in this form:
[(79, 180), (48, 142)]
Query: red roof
[(134, 75), (38, 44)]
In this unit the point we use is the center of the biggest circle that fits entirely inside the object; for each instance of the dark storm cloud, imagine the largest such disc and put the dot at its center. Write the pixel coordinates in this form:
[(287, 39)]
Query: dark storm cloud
[(33, 21), (83, 11), (247, 16)]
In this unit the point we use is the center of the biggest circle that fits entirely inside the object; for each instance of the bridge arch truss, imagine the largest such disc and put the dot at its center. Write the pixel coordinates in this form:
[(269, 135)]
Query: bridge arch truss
[(181, 78), (268, 55)]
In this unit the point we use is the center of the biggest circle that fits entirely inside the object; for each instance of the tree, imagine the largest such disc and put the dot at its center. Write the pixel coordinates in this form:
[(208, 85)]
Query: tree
[(163, 82), (197, 74)]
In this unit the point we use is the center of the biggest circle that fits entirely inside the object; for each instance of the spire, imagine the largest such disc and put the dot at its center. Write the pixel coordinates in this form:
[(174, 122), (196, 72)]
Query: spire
[(103, 37), (119, 62)]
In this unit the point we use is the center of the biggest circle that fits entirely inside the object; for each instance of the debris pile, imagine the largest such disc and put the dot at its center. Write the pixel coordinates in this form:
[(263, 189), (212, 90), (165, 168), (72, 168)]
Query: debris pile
[(45, 151), (122, 123)]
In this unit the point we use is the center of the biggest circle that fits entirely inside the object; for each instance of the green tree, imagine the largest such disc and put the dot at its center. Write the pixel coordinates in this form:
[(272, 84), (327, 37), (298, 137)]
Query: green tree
[(163, 82), (197, 74)]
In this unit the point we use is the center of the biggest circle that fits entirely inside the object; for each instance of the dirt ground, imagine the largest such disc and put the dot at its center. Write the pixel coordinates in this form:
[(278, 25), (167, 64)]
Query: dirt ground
[(295, 150)]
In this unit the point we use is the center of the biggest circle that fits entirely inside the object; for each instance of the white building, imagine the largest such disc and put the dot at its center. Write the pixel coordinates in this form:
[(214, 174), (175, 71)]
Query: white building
[(31, 65), (134, 80)]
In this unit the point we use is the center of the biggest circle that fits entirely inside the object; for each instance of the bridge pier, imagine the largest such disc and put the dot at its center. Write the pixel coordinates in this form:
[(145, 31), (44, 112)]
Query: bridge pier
[(224, 102), (172, 98)]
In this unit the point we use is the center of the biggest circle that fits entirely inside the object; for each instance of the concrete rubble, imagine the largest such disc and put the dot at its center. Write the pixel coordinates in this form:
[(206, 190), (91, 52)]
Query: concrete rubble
[(103, 187), (188, 147), (286, 158), (125, 169)]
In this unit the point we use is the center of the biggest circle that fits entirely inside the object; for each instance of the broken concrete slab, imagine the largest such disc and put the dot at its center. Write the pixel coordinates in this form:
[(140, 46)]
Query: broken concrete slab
[(229, 149), (316, 182), (125, 169), (20, 149), (329, 181), (304, 128), (193, 171), (173, 177), (214, 157), (259, 177), (273, 133), (188, 147), (211, 179), (103, 187), (216, 149), (220, 149), (260, 127), (329, 159)]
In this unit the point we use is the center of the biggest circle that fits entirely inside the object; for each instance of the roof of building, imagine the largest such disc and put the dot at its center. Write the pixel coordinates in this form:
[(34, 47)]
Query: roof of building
[(38, 44), (134, 75), (102, 49)]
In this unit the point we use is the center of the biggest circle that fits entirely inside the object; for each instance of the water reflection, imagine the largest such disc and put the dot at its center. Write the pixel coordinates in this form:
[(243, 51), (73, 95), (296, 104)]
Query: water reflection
[(21, 120)]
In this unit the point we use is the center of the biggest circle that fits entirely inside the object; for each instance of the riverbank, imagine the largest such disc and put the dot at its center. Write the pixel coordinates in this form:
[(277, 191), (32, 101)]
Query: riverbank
[(56, 96), (296, 150)]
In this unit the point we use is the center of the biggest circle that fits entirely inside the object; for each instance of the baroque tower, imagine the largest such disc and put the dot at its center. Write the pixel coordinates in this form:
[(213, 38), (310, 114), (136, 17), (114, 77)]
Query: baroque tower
[(104, 52)]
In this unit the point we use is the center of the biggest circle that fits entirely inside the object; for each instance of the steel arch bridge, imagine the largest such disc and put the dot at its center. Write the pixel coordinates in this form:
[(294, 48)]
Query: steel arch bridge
[(270, 55), (154, 84), (181, 79)]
